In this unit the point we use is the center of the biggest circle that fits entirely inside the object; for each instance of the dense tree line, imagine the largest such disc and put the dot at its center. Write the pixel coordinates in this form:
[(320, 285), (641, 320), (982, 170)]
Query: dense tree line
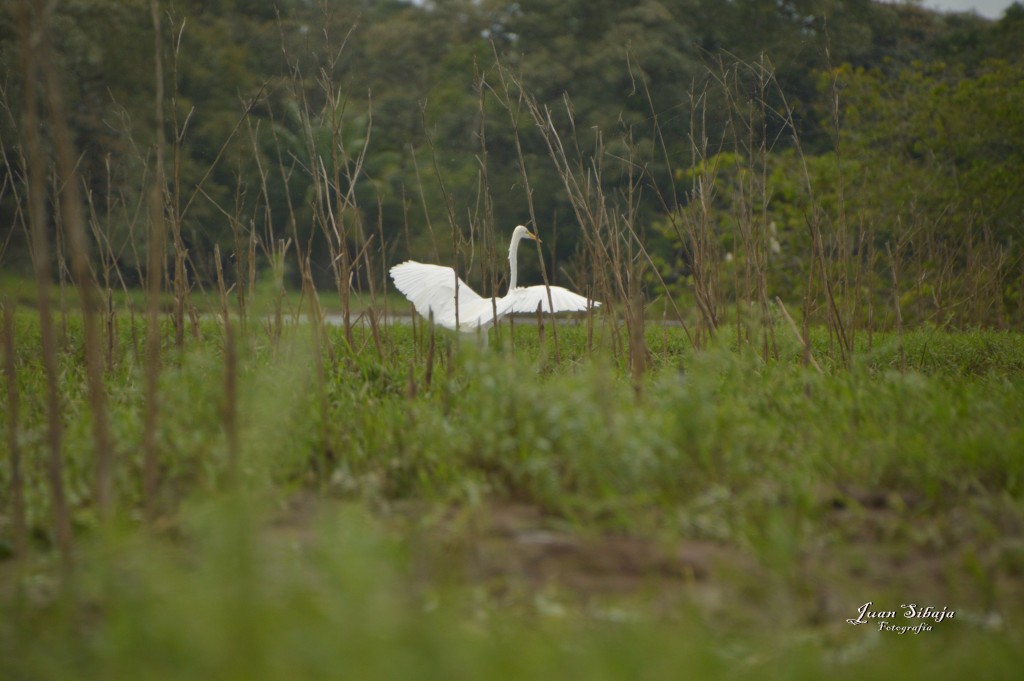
[(897, 112)]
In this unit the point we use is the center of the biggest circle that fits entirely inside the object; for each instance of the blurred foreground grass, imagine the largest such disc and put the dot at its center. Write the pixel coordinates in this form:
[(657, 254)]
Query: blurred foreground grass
[(521, 518), (228, 601)]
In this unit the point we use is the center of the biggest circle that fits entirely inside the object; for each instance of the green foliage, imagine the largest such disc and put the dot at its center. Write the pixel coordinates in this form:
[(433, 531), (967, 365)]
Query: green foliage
[(946, 143), (575, 441), (307, 566), (414, 69), (922, 177)]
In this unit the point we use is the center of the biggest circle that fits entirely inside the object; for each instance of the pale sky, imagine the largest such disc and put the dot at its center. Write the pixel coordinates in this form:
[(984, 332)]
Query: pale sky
[(993, 9)]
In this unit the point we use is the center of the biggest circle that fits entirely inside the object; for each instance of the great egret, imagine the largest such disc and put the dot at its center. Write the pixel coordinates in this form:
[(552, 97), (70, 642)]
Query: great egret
[(432, 288)]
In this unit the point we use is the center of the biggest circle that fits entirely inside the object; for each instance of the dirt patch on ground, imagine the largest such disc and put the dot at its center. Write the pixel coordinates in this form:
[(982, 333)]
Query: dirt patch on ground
[(869, 547), (517, 543)]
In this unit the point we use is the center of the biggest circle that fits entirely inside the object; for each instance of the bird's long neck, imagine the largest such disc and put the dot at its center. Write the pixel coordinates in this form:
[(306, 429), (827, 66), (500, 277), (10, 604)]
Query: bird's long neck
[(512, 261)]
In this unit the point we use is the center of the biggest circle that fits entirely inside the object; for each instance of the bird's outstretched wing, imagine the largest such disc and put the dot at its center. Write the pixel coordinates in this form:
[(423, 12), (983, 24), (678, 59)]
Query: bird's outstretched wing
[(432, 288), (525, 299)]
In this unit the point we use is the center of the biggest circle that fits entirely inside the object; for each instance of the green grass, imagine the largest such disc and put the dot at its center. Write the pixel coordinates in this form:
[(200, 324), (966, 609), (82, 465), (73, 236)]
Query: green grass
[(523, 518)]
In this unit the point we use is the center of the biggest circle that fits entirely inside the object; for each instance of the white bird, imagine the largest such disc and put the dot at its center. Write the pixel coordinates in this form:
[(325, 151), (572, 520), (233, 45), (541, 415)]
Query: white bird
[(432, 288)]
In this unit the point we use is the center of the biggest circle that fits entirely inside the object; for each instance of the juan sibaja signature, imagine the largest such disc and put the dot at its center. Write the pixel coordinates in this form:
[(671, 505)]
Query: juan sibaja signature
[(887, 620)]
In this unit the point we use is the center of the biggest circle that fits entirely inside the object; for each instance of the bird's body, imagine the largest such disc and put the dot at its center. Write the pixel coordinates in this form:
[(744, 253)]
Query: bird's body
[(434, 290)]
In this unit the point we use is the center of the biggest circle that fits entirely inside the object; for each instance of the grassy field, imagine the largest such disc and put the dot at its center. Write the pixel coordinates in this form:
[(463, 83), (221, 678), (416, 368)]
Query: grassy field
[(429, 510), (809, 467)]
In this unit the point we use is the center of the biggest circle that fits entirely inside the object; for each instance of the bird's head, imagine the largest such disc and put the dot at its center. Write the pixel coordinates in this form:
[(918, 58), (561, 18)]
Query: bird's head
[(522, 232)]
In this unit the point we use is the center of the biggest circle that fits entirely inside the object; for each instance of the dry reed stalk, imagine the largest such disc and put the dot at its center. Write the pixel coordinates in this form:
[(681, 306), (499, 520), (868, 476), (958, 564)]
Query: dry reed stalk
[(835, 317), (858, 280), (996, 259), (767, 76), (417, 332), (334, 228), (179, 209), (179, 283), (1020, 287), (352, 171), (252, 275), (669, 204), (111, 330), (275, 249), (590, 327), (63, 272), (241, 253), (809, 298), (389, 341), (704, 256), (492, 260), (108, 263), (546, 127), (449, 363), (301, 257), (742, 223), (423, 204), (542, 348), (894, 270), (844, 314), (331, 215), (320, 343), (943, 281), (154, 280), (869, 297), (430, 353), (796, 332), (814, 221), (370, 312), (410, 384), (316, 316), (8, 182), (32, 20), (661, 281), (458, 240), (306, 277), (277, 268), (664, 329), (693, 223), (17, 488), (230, 410), (633, 266), (182, 259), (638, 352), (748, 121), (136, 356)]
